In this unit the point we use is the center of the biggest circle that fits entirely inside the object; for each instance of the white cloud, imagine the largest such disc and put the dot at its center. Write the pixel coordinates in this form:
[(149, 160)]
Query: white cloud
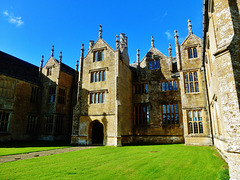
[(12, 19), (169, 35)]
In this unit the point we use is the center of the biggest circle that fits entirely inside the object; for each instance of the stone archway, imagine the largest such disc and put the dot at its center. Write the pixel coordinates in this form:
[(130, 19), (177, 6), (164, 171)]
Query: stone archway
[(97, 132)]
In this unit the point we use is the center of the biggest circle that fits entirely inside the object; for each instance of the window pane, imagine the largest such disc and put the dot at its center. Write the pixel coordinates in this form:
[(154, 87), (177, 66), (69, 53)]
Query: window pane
[(172, 108), (200, 127), (189, 115), (168, 119), (153, 65), (177, 118), (191, 86), (95, 56), (172, 119), (195, 76), (157, 64), (168, 109), (167, 86), (100, 76), (190, 53), (171, 85), (97, 76), (99, 98), (199, 115), (164, 119), (186, 77), (102, 55), (150, 65), (187, 88), (195, 127), (96, 98), (190, 76), (196, 87), (92, 100), (195, 52), (103, 97), (176, 108), (194, 115), (190, 128), (93, 78), (163, 86), (104, 75), (146, 88), (175, 85), (164, 109)]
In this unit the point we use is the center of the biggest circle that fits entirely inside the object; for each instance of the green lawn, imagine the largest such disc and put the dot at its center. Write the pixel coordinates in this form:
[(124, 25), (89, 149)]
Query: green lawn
[(26, 147), (128, 162)]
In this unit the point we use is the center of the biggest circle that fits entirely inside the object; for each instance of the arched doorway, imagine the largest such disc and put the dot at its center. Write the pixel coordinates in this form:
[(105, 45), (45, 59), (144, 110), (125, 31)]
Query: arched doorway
[(97, 133)]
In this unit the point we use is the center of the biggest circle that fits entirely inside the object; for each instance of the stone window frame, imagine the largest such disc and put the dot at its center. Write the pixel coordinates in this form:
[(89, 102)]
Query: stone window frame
[(5, 117), (154, 64), (192, 52), (52, 94), (97, 96), (32, 124), (141, 88), (191, 82), (169, 85), (99, 54), (49, 70), (170, 114), (195, 121), (142, 114)]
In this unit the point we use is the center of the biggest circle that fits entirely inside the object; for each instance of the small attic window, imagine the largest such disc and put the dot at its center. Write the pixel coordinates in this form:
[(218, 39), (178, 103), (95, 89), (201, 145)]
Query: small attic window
[(49, 71), (192, 52), (153, 64), (98, 55)]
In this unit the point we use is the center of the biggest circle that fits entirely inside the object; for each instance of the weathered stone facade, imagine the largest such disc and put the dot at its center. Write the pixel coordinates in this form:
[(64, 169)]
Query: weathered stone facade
[(27, 109), (221, 57)]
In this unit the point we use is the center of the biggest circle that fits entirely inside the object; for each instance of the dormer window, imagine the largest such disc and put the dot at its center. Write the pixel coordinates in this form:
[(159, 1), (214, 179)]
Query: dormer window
[(153, 64), (192, 53), (98, 55)]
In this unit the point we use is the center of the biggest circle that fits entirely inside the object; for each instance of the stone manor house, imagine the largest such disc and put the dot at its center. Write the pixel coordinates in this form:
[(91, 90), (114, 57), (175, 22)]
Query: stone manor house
[(191, 98)]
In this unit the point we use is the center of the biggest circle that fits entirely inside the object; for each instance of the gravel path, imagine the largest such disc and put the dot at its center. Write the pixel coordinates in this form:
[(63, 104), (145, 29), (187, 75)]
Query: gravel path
[(18, 157)]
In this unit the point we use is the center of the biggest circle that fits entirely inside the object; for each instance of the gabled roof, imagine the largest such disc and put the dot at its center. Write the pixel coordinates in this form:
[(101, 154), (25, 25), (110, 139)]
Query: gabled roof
[(65, 68), (152, 49), (189, 35), (99, 39), (17, 68)]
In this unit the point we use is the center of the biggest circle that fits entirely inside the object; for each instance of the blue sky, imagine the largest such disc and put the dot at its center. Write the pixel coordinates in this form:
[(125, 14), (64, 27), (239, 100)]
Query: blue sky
[(28, 28)]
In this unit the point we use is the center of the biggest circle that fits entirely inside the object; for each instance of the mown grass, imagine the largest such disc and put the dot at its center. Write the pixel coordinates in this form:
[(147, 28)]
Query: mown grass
[(26, 147), (128, 162)]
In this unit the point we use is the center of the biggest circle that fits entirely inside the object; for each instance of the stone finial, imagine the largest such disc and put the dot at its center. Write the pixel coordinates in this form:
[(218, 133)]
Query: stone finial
[(170, 50), (117, 42), (189, 27), (152, 42), (176, 37), (138, 56), (77, 65), (60, 57), (100, 32), (82, 52), (91, 42), (41, 63), (52, 51)]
